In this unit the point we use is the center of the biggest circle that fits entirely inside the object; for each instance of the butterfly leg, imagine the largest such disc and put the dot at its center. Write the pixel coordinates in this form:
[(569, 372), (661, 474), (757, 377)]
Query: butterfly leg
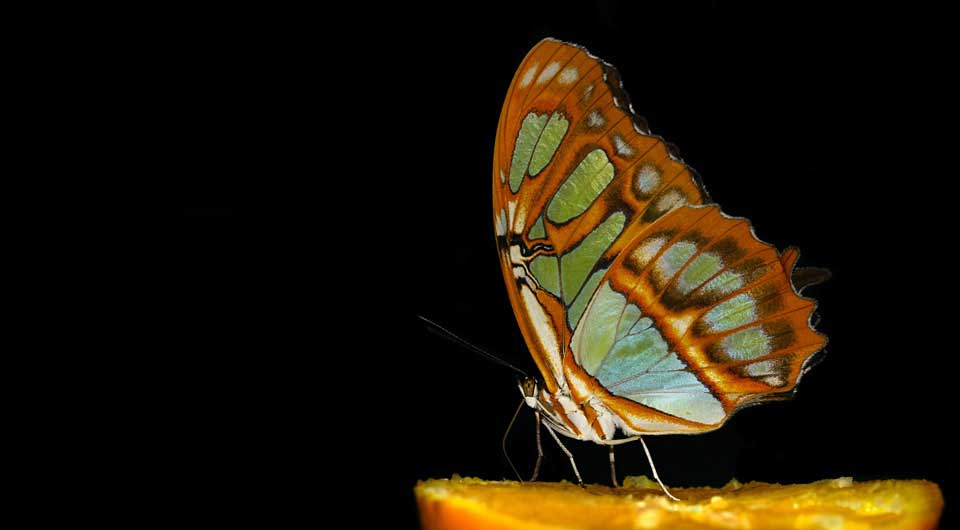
[(654, 469), (613, 469), (503, 443), (568, 453), (536, 468)]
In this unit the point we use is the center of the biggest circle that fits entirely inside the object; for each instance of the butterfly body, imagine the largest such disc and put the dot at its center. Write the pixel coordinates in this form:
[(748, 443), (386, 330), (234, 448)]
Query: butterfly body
[(565, 416), (646, 309)]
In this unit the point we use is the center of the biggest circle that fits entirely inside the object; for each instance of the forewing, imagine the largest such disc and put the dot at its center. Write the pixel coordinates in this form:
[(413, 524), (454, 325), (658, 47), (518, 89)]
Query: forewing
[(575, 172)]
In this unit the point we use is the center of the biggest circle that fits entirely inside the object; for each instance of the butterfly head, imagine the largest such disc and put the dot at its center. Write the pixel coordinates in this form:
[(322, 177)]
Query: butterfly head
[(528, 387)]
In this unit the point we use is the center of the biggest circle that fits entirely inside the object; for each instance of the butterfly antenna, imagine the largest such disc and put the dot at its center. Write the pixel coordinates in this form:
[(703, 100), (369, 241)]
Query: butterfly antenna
[(441, 331)]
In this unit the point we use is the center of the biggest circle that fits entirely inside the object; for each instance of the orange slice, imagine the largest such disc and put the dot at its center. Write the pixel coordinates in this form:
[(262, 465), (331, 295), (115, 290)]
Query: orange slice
[(839, 504)]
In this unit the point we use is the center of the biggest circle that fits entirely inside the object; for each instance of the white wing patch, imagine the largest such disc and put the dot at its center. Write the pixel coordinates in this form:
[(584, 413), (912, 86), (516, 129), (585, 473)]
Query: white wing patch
[(528, 75), (568, 75), (648, 178), (548, 72), (501, 221), (623, 148), (669, 200), (680, 325), (595, 119), (647, 250)]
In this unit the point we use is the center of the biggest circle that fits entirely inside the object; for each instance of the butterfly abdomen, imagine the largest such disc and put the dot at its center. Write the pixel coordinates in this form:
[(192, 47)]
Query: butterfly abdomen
[(589, 420)]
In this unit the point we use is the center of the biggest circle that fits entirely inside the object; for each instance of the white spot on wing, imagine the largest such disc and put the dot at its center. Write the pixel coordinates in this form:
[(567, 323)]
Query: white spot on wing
[(680, 325), (595, 119), (568, 75), (648, 178), (762, 368), (516, 257), (503, 178), (623, 148), (501, 221), (774, 380), (670, 200), (648, 250), (528, 75), (548, 72)]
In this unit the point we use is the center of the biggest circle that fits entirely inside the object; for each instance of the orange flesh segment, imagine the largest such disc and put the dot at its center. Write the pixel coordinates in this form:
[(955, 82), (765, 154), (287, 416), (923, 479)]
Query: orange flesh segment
[(839, 504)]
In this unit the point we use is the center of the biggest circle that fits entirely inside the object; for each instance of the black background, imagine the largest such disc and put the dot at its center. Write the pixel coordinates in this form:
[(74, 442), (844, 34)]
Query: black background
[(359, 186)]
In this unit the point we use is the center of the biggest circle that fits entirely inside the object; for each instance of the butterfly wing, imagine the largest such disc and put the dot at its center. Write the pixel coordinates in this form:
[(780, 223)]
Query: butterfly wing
[(707, 324), (574, 174), (695, 319)]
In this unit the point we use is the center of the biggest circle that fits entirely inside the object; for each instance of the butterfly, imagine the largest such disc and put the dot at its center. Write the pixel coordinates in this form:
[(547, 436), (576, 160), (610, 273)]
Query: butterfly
[(647, 310)]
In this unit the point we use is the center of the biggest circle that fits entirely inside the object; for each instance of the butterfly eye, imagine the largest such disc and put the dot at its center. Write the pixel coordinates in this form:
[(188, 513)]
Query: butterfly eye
[(528, 386)]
